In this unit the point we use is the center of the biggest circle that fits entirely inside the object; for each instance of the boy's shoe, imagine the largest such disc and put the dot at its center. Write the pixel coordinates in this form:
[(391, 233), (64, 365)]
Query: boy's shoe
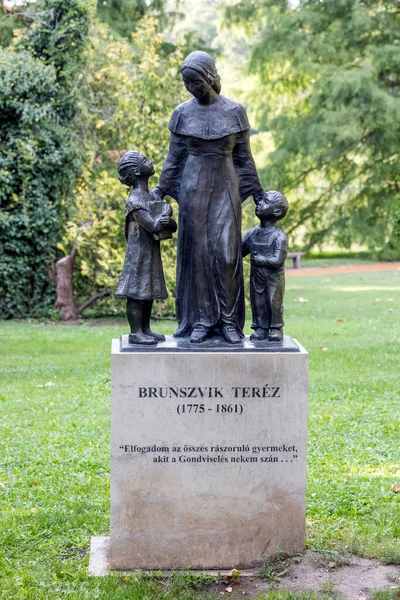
[(199, 334), (230, 334), (259, 334), (157, 336), (275, 334), (141, 338)]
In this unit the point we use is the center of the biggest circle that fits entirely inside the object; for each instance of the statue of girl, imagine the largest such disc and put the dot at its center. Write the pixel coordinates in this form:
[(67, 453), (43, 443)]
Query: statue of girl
[(142, 279)]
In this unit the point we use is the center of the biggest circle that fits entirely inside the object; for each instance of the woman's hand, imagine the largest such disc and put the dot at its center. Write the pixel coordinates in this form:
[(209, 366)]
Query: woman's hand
[(157, 194), (258, 196)]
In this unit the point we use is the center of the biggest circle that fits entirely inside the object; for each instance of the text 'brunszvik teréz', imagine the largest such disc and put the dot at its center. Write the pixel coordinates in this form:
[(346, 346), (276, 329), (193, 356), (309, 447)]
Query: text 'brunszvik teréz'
[(267, 391)]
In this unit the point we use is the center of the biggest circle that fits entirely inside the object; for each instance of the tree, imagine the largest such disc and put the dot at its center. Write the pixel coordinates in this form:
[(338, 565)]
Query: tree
[(129, 94), (9, 22), (123, 16), (39, 155), (329, 82)]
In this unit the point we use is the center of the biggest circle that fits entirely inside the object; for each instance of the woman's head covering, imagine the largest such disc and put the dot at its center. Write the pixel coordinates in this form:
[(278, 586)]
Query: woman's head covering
[(204, 64)]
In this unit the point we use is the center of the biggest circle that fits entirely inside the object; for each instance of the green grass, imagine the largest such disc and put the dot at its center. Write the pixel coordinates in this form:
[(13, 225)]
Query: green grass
[(310, 261), (54, 479), (332, 258)]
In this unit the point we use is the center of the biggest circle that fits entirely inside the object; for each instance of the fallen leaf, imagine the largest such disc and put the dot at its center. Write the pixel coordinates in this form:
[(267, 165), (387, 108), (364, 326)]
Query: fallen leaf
[(35, 483), (229, 590), (231, 576), (127, 578), (323, 349), (339, 320), (396, 488), (235, 572)]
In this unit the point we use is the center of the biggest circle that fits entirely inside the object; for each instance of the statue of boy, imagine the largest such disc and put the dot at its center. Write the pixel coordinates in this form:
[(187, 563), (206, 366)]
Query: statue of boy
[(142, 278), (267, 246)]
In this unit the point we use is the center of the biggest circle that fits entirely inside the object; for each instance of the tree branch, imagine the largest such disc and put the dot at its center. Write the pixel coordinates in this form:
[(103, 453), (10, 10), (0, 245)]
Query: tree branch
[(91, 301)]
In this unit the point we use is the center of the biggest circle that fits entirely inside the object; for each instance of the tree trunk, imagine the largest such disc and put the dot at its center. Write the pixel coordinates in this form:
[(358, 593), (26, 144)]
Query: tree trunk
[(65, 297)]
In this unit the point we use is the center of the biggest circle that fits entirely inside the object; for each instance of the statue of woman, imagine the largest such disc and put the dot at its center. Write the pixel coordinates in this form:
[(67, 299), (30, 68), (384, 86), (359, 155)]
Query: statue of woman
[(209, 171)]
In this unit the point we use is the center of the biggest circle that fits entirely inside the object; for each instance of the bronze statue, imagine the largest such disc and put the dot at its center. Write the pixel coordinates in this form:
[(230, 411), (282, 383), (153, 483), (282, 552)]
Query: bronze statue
[(267, 246), (146, 221), (209, 170)]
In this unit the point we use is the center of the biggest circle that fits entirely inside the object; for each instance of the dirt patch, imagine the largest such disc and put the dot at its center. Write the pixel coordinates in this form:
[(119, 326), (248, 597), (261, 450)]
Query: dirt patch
[(334, 270), (351, 577)]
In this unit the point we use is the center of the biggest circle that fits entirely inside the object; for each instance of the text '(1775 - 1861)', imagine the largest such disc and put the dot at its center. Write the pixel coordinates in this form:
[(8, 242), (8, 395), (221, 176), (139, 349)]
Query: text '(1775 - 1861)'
[(222, 409)]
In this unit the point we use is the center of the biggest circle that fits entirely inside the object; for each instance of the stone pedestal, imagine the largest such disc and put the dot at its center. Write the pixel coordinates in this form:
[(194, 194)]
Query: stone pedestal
[(208, 456)]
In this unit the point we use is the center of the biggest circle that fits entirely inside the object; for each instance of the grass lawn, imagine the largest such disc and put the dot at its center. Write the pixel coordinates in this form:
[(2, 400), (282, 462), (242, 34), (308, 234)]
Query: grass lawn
[(331, 262), (54, 478)]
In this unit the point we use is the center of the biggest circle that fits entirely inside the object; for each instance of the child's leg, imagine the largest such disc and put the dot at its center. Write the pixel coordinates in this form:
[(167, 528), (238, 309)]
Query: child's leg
[(146, 315), (276, 288), (134, 309), (259, 305), (134, 314)]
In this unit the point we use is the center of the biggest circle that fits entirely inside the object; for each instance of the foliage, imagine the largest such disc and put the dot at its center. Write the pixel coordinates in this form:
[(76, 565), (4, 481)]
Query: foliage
[(329, 81), (39, 157), (275, 567), (34, 151), (129, 94), (54, 482), (9, 22), (123, 16)]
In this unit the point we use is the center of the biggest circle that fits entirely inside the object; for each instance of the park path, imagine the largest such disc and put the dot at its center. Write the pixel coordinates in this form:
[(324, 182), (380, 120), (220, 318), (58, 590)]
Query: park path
[(356, 268)]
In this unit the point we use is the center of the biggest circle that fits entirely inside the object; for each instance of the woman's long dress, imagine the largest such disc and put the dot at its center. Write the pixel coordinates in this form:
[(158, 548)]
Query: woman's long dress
[(209, 170)]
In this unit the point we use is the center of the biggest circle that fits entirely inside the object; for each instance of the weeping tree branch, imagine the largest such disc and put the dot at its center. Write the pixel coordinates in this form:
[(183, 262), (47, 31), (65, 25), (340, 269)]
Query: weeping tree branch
[(91, 301)]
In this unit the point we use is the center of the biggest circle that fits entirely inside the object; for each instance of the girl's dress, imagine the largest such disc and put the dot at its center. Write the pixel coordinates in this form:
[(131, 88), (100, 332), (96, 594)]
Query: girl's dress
[(142, 277)]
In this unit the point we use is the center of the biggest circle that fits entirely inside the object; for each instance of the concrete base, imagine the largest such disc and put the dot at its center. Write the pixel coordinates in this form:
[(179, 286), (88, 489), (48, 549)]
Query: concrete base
[(211, 344), (99, 564), (208, 457)]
